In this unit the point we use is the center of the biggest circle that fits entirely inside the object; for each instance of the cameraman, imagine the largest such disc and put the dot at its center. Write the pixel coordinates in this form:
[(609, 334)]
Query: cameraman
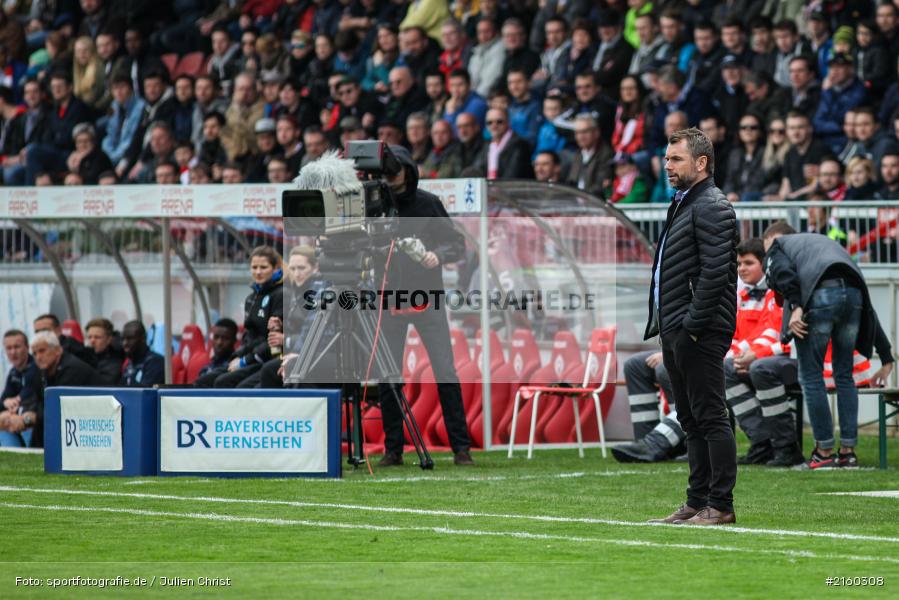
[(422, 216)]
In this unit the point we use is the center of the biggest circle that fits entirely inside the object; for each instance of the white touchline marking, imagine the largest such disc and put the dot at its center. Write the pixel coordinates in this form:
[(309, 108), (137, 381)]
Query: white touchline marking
[(871, 494), (449, 513), (445, 531)]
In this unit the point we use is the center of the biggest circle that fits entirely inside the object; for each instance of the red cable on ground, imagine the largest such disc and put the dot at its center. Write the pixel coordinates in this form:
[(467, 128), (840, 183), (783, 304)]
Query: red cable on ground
[(371, 357)]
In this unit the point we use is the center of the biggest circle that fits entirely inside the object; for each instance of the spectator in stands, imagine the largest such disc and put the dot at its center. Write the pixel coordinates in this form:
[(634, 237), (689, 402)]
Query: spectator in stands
[(871, 142), (140, 60), (160, 149), (851, 147), (206, 100), (265, 302), (108, 356), (245, 109), (801, 161), (315, 143), (383, 59), (435, 88), (551, 73), (547, 167), (87, 74), (592, 102), (651, 41), (67, 111), (525, 114), (123, 125), (418, 52), (248, 60), (159, 107), (19, 396), (11, 70), (789, 45), (518, 55), (287, 134), (182, 119), (456, 51), (628, 186), (232, 173), (224, 341), (733, 40), (50, 322), (166, 173), (405, 96), (486, 63), (291, 104), (200, 174), (871, 56), (776, 148), (581, 53), (860, 179), (417, 137), (745, 175), (277, 171), (443, 160), (889, 176), (842, 91), (715, 129), (21, 128), (765, 97), (548, 137), (764, 50), (704, 71), (223, 64), (112, 56), (143, 367), (471, 142), (805, 91), (87, 159), (267, 148), (663, 192), (830, 178), (212, 151), (675, 97), (887, 20), (730, 98), (12, 36), (540, 36), (462, 99), (817, 30), (825, 299), (507, 155), (820, 220), (355, 102), (590, 168), (613, 57), (677, 49)]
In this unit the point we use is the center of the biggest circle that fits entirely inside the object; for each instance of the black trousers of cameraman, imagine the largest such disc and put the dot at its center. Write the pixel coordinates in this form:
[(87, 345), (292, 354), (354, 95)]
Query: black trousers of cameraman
[(434, 331)]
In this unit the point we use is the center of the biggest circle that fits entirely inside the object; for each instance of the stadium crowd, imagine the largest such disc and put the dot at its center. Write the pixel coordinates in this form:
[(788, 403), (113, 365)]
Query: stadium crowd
[(799, 97)]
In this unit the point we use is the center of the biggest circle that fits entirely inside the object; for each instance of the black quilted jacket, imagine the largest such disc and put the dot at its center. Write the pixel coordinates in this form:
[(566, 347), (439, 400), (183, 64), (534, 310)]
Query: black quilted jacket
[(698, 280)]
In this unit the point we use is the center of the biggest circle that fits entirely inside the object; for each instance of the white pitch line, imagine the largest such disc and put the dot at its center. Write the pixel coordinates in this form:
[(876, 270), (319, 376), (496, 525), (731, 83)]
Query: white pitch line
[(450, 513), (870, 494), (525, 535)]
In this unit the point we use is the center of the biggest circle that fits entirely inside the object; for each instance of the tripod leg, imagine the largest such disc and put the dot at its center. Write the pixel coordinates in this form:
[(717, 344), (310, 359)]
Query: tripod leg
[(357, 456), (424, 457)]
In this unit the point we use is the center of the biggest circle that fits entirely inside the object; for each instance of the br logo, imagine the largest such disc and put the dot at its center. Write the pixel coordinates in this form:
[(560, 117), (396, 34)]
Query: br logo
[(71, 433), (186, 435)]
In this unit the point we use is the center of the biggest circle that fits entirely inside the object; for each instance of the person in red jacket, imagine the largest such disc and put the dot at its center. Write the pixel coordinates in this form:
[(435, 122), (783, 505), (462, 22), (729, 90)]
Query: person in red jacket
[(758, 368)]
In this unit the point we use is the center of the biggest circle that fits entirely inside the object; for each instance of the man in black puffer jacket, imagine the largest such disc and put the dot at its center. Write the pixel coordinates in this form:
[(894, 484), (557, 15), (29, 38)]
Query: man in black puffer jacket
[(693, 308)]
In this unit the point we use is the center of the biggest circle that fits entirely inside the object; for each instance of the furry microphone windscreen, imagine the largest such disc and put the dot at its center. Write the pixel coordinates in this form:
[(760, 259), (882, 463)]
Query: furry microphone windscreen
[(328, 172)]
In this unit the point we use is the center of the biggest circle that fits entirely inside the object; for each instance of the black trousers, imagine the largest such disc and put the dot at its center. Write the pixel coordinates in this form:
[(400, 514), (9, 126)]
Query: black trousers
[(697, 380), (434, 331)]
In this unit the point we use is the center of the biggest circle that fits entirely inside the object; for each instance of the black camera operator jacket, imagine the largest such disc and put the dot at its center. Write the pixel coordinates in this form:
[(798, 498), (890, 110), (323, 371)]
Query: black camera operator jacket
[(422, 215)]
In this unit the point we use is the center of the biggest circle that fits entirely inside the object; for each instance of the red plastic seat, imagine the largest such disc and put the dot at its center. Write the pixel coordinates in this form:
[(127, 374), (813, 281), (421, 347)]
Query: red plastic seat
[(192, 343), (170, 61), (71, 328), (196, 364), (190, 64), (178, 370)]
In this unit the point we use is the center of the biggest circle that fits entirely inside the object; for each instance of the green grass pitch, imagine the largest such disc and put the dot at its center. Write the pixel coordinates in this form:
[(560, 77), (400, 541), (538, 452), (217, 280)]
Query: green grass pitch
[(555, 526)]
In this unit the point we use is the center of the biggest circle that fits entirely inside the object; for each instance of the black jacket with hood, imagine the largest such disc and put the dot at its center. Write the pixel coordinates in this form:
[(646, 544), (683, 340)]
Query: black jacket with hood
[(266, 301)]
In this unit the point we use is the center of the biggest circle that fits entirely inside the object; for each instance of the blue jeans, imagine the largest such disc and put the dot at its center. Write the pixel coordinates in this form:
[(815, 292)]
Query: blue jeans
[(833, 315), (41, 158), (16, 440)]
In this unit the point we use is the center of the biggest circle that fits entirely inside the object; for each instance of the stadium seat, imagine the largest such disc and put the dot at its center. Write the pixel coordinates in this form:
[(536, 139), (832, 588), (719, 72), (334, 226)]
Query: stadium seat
[(595, 381), (190, 64), (71, 329), (196, 364), (171, 63), (191, 343), (497, 357), (179, 371)]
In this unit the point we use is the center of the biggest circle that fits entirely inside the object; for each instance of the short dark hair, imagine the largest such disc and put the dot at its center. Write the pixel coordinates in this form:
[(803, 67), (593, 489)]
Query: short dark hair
[(754, 246), (698, 145), (552, 154), (706, 25), (778, 228), (831, 158), (15, 332), (50, 316), (866, 110), (786, 25), (795, 114), (122, 78), (461, 73), (7, 95), (141, 330), (104, 324), (60, 74), (733, 21), (215, 114), (228, 324), (167, 163), (761, 22)]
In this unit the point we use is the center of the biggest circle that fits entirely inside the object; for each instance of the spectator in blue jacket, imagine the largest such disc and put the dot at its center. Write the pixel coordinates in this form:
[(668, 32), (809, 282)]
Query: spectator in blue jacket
[(549, 139), (463, 100), (525, 113), (66, 112), (842, 91), (127, 110)]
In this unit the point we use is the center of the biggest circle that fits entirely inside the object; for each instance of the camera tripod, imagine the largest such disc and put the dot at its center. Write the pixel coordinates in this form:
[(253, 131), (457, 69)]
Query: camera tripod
[(351, 333)]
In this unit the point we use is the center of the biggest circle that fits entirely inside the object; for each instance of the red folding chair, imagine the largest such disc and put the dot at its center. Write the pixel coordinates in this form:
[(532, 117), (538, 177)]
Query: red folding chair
[(595, 381), (71, 328)]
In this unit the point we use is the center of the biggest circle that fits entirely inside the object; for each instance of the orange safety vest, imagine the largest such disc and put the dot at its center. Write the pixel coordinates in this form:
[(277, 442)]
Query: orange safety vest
[(758, 326)]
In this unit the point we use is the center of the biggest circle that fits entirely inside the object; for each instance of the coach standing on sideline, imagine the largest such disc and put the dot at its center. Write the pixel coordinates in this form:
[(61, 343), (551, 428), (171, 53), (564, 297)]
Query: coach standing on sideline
[(693, 308)]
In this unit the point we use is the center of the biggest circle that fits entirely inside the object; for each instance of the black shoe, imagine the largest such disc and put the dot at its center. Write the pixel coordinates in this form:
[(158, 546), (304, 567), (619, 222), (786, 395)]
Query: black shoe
[(847, 460), (463, 458), (759, 454), (639, 452), (787, 456), (391, 459)]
